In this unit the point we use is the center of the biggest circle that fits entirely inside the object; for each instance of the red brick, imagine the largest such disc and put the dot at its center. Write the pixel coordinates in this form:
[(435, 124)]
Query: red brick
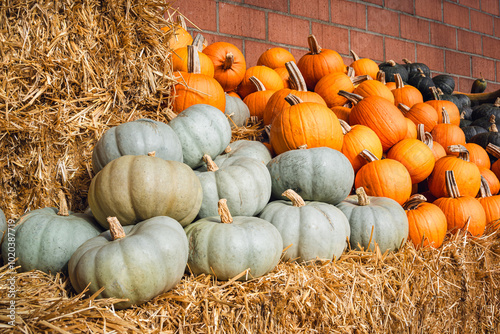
[(400, 5), (457, 63), (397, 50), (492, 87), (442, 35), (490, 6), (349, 13), (316, 9), (463, 84), (298, 53), (242, 21), (330, 37), (214, 37), (287, 30), (367, 45), (491, 47), (469, 42), (205, 19), (383, 21), (496, 23), (253, 50), (431, 56), (430, 9), (456, 15), (279, 5), (470, 3), (482, 67), (414, 28), (481, 22)]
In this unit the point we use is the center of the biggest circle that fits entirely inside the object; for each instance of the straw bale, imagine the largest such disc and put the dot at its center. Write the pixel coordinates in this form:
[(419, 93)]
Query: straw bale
[(451, 289)]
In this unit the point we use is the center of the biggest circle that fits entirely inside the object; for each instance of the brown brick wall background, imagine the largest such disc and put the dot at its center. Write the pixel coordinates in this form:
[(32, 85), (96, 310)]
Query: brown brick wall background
[(458, 37)]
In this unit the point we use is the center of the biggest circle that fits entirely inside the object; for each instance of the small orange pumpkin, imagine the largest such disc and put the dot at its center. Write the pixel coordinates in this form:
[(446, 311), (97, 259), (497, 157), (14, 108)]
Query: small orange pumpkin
[(490, 203), (342, 112), (451, 108), (447, 134), (180, 36), (494, 150), (283, 73), (364, 66), (405, 94), (180, 61), (477, 155), (257, 101), (266, 75), (374, 88), (420, 113), (329, 86), (275, 57), (416, 156), (229, 64)]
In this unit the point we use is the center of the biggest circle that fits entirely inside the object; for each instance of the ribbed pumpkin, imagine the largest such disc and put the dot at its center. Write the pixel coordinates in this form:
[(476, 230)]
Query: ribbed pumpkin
[(275, 57), (447, 134), (229, 64), (451, 108), (477, 155), (490, 203), (411, 132), (380, 115), (416, 156), (342, 112), (427, 222), (319, 62), (384, 178), (466, 173), (390, 68), (180, 62), (283, 73), (180, 36), (364, 66), (420, 113), (356, 139), (266, 75), (236, 111), (461, 211), (405, 94), (374, 88), (277, 101), (491, 179), (257, 100), (196, 88), (329, 85), (425, 137), (305, 123)]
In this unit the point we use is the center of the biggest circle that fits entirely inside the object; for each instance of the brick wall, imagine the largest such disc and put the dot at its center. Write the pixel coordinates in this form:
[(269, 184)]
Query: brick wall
[(459, 37)]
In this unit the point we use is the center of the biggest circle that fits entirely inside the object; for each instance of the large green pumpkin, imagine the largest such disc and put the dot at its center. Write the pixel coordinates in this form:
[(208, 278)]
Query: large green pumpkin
[(244, 182), (137, 262), (317, 174), (134, 188), (226, 246), (236, 111), (313, 230), (45, 239), (373, 220), (202, 129), (136, 138)]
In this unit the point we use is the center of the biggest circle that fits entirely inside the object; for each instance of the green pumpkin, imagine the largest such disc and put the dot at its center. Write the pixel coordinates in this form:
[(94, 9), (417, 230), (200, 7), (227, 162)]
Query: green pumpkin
[(226, 246), (317, 174), (313, 230), (202, 129), (384, 216), (136, 263), (45, 239), (236, 111), (136, 138), (134, 188)]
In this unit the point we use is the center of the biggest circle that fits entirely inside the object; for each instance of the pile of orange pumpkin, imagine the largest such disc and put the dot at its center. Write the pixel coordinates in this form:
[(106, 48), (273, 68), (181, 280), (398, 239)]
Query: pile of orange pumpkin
[(403, 142)]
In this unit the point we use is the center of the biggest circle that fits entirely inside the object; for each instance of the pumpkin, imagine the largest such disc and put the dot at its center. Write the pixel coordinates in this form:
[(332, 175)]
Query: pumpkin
[(257, 100), (195, 88), (137, 137), (380, 115), (491, 136), (494, 151), (226, 246), (411, 133), (136, 188), (318, 62), (477, 155), (244, 148), (313, 230), (384, 178), (467, 174), (364, 66), (405, 94), (427, 139), (486, 110), (342, 112), (390, 68), (381, 77), (266, 75), (427, 222), (451, 108), (375, 221), (424, 84), (461, 211), (329, 86), (244, 182), (305, 123), (486, 122), (356, 139), (447, 134), (180, 62), (180, 37), (444, 82), (275, 57), (416, 68), (491, 179), (416, 156), (237, 111), (317, 174), (420, 113), (136, 262), (202, 129), (490, 203), (374, 88), (479, 85), (283, 73), (472, 130), (229, 64), (45, 239)]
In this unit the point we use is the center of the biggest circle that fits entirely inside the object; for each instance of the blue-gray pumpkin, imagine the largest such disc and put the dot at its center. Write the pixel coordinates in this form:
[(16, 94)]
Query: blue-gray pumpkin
[(136, 262), (3, 226), (136, 138), (226, 246), (379, 220), (236, 111), (317, 174), (310, 230)]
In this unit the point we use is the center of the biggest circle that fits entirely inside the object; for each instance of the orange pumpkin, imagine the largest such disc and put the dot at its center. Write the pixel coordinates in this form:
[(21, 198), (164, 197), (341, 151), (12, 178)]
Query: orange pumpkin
[(305, 123), (491, 179), (411, 133), (381, 77), (266, 75), (477, 155), (427, 139), (447, 134), (490, 203), (494, 150), (451, 108), (283, 73), (374, 88), (420, 113), (180, 61), (180, 36), (233, 94), (427, 222), (405, 94), (461, 211), (364, 66), (342, 112), (416, 156), (229, 64), (257, 101), (329, 86), (275, 57)]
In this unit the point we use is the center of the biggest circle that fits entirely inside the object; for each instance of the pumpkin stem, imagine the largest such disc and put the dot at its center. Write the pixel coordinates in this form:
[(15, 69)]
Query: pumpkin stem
[(485, 188), (211, 165), (414, 201), (368, 156), (463, 153), (169, 114), (228, 62), (493, 149), (354, 55), (360, 78), (445, 116), (399, 81), (295, 76), (292, 99), (313, 45), (425, 137), (297, 201), (152, 154), (193, 60), (363, 199), (451, 184), (497, 102), (381, 77), (350, 72), (353, 98), (223, 210), (63, 204), (407, 61), (391, 63), (403, 107), (493, 126), (434, 92), (257, 83), (346, 128), (302, 147), (227, 149), (115, 228), (181, 22), (198, 42)]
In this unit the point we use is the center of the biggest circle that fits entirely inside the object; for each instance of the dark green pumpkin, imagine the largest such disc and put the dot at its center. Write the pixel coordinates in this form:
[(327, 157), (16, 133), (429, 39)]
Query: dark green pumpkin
[(390, 68), (472, 130), (486, 122), (463, 101), (486, 110), (424, 84), (483, 139), (445, 82), (413, 68), (466, 113), (478, 86)]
